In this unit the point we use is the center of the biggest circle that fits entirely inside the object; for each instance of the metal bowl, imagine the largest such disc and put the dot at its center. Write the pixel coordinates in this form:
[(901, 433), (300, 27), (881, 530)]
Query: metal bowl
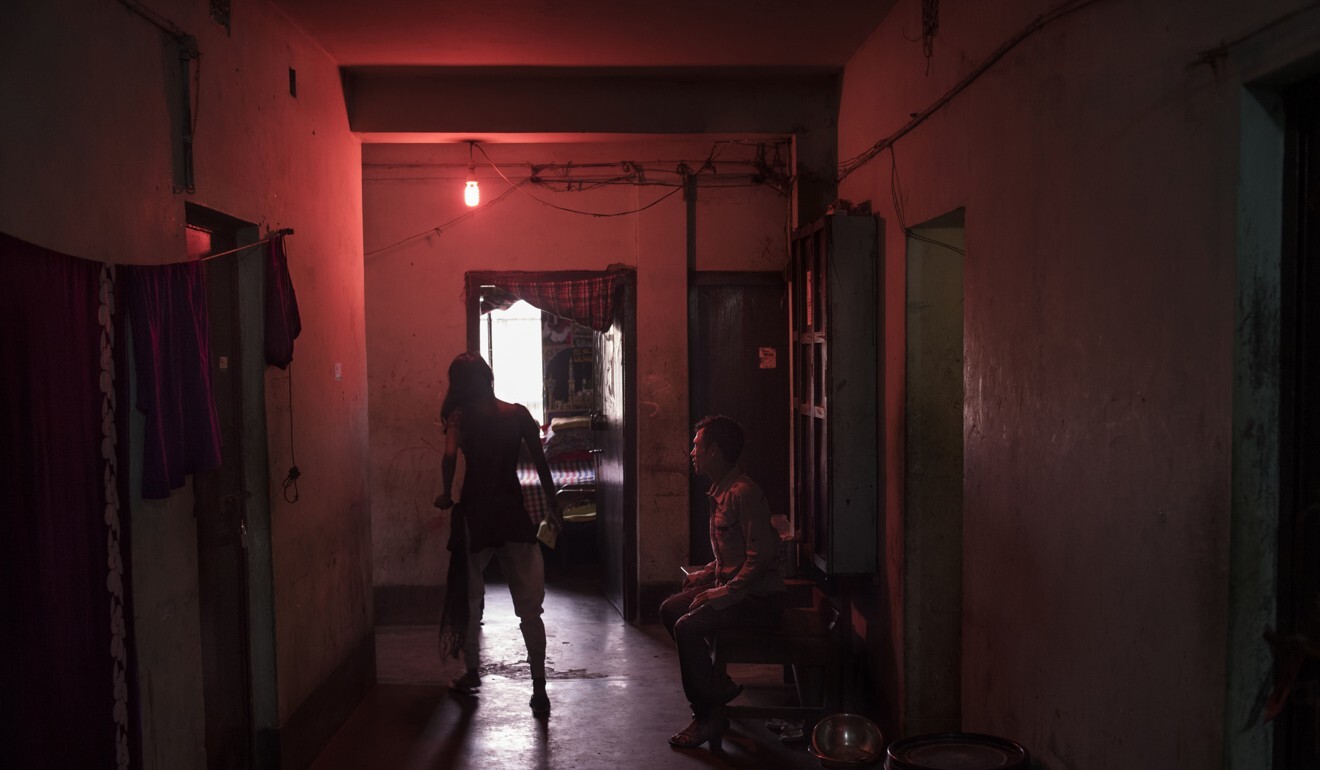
[(847, 740)]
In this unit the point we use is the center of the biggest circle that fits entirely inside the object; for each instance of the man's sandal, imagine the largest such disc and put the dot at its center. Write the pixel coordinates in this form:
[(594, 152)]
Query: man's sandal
[(692, 736)]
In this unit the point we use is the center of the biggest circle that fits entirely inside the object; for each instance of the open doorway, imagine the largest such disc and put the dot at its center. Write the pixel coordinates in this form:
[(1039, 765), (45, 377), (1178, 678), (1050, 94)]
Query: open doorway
[(1297, 667), (933, 474), (738, 367), (563, 364), (511, 342), (545, 362), (1274, 585), (235, 586)]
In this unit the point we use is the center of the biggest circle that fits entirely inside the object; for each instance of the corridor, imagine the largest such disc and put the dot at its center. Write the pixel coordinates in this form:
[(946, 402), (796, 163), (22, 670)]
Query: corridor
[(614, 688)]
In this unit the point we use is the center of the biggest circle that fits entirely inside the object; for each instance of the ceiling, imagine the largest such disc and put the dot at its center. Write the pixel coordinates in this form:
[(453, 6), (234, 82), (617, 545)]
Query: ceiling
[(681, 34)]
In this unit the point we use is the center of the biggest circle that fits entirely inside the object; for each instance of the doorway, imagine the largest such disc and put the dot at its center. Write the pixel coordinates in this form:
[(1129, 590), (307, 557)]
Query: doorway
[(1297, 735), (576, 379), (738, 340), (933, 475), (235, 592)]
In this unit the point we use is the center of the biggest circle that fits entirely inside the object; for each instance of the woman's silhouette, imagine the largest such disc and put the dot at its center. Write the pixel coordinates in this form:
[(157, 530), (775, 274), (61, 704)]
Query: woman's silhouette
[(491, 520)]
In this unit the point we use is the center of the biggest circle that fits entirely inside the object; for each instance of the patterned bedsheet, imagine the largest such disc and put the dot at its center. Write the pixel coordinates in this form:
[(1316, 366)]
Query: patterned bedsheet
[(562, 472)]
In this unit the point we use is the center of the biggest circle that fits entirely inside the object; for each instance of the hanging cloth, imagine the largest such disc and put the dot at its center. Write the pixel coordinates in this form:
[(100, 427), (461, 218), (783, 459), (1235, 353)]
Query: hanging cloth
[(64, 556), (172, 353), (283, 323), (454, 611), (587, 301)]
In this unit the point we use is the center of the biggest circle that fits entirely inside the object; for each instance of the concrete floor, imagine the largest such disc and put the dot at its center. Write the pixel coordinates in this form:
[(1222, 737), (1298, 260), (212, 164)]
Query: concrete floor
[(614, 688)]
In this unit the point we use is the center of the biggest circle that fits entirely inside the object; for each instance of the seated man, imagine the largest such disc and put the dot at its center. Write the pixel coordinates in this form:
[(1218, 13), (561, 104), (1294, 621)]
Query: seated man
[(743, 587)]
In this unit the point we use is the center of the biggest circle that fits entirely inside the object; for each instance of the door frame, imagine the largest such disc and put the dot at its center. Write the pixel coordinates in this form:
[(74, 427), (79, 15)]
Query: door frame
[(472, 283), (696, 487), (1298, 532), (248, 292)]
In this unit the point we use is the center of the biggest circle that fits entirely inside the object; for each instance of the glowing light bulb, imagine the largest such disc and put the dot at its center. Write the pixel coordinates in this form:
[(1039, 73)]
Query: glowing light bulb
[(471, 193)]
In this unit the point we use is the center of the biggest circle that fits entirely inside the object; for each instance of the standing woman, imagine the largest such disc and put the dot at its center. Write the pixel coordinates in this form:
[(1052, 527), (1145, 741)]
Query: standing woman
[(491, 434)]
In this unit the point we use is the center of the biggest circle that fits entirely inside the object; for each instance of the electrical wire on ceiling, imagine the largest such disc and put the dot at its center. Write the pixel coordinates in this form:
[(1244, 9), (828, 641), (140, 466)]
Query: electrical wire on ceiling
[(767, 172), (576, 178), (162, 23), (896, 191), (1210, 57), (766, 168), (930, 27), (439, 229), (519, 188), (636, 176), (930, 10), (1213, 56), (861, 159)]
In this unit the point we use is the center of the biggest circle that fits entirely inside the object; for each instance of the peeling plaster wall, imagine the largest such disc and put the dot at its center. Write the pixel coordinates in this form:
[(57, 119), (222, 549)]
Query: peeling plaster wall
[(85, 144), (416, 315), (1098, 167)]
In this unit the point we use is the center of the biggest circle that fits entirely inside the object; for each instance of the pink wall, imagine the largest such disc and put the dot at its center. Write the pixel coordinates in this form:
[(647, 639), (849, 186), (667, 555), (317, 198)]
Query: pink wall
[(1098, 170), (416, 321), (86, 138)]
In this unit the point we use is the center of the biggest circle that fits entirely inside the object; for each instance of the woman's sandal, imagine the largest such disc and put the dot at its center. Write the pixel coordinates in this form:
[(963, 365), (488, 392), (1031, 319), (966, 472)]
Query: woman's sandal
[(468, 684)]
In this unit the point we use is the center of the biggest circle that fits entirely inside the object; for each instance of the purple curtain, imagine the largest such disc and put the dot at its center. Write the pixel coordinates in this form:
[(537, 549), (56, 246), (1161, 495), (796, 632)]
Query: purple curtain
[(68, 678), (172, 353)]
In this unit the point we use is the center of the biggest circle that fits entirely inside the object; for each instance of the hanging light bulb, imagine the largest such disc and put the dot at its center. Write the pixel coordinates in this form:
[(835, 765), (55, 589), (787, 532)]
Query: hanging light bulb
[(471, 192)]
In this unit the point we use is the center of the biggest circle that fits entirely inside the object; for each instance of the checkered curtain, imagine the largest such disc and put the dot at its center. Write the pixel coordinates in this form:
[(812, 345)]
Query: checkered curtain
[(588, 301)]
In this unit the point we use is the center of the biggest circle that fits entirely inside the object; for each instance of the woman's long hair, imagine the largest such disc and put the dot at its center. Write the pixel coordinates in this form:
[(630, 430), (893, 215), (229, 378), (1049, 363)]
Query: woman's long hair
[(470, 382)]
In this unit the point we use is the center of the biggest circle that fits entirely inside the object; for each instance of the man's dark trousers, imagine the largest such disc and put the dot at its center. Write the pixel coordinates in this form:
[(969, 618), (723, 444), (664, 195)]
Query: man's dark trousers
[(692, 629)]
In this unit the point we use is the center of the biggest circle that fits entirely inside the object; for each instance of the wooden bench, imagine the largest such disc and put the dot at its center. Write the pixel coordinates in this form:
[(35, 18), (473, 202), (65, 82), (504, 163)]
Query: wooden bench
[(807, 643)]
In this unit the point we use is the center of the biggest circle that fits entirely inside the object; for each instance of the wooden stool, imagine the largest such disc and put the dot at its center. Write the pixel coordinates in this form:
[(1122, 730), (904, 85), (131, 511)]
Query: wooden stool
[(807, 643)]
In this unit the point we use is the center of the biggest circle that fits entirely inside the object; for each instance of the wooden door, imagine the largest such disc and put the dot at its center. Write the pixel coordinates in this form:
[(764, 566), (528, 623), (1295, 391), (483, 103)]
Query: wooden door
[(222, 563), (615, 453), (739, 368)]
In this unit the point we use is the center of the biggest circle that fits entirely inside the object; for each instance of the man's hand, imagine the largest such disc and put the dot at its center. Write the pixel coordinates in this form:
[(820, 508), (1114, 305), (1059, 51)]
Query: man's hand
[(444, 502), (695, 578), (699, 600)]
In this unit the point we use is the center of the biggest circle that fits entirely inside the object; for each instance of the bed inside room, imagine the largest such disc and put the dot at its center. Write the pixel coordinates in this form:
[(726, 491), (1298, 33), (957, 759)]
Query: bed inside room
[(567, 445)]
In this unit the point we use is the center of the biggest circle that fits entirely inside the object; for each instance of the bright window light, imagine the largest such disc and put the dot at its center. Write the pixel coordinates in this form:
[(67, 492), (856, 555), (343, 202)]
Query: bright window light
[(511, 344)]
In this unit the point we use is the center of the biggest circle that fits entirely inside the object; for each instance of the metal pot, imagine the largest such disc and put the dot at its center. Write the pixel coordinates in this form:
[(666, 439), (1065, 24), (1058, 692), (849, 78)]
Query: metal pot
[(846, 741)]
